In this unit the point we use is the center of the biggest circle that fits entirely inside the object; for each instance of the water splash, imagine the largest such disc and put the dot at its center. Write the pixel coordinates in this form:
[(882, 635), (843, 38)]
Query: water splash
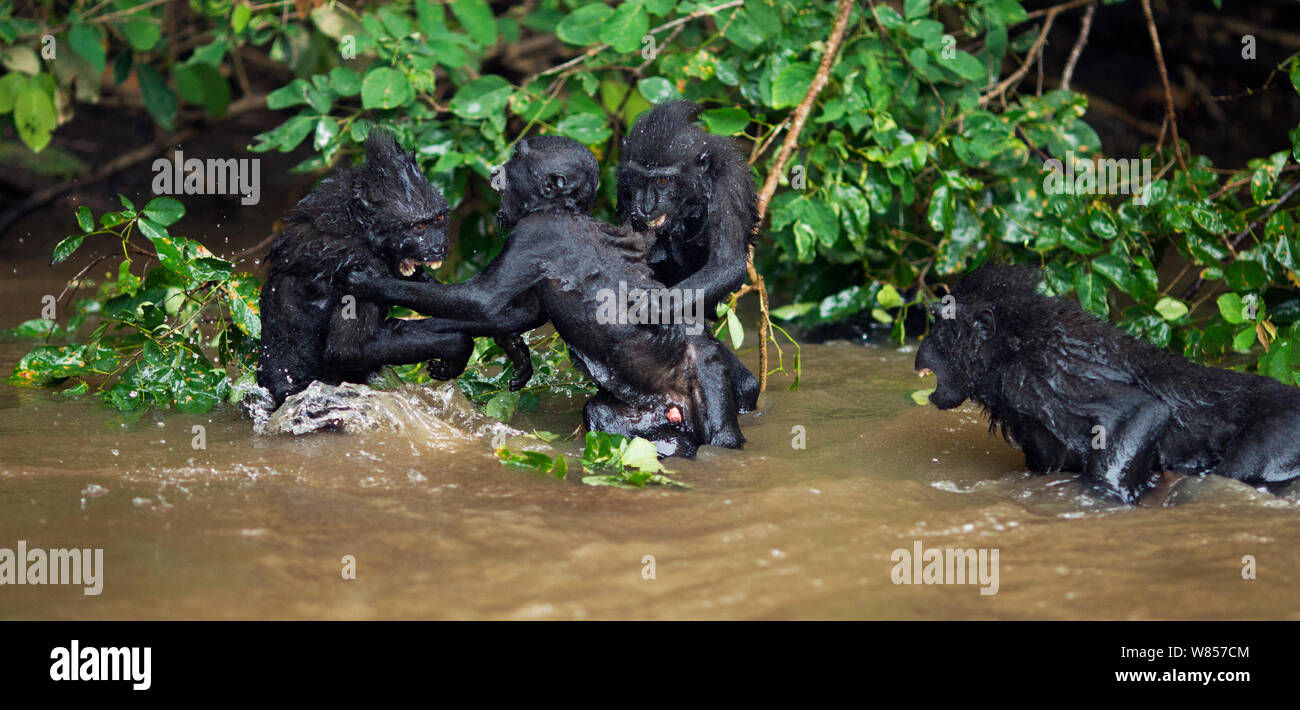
[(434, 414)]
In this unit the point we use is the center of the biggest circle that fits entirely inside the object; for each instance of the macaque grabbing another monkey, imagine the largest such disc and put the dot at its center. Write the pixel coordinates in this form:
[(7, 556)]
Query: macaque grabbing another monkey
[(667, 382)]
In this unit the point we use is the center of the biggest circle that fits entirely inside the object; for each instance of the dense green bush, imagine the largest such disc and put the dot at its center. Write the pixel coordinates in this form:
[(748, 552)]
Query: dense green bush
[(920, 158)]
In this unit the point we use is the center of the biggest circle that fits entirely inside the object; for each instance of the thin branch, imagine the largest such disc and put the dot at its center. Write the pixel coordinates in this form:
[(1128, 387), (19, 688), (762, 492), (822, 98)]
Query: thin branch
[(653, 31), (1078, 46), (1002, 86), (800, 116), (1164, 79), (1239, 236)]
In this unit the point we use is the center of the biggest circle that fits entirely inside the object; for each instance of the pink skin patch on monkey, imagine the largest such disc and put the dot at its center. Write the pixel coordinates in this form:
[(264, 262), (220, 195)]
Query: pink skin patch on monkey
[(674, 415)]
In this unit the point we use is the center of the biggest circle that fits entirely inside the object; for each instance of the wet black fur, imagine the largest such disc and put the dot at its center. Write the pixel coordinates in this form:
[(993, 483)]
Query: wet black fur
[(1047, 373), (562, 257), (701, 184), (365, 219)]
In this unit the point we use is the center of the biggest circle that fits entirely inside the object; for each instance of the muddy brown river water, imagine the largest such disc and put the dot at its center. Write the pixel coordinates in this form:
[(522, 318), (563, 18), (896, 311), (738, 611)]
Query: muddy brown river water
[(256, 526)]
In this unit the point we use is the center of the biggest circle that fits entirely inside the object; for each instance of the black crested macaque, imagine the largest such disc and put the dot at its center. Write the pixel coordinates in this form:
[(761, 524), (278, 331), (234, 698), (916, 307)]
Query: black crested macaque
[(668, 383), (382, 217), (693, 194), (1077, 394)]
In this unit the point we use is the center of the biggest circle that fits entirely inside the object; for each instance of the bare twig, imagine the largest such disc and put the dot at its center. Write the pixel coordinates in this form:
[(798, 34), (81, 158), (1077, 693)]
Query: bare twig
[(1164, 79), (1002, 86), (800, 116), (597, 49), (1084, 29)]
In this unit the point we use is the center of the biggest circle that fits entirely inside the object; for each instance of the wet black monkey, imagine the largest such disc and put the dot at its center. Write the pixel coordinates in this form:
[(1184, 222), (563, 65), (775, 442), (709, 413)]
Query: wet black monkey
[(382, 217)]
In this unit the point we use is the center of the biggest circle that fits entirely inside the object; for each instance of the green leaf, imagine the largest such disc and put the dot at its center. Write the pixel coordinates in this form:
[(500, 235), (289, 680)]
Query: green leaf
[(656, 89), (34, 117), (790, 85), (586, 128), (88, 41), (388, 88), (164, 210), (1245, 276), (728, 121), (641, 455), (1171, 309), (1244, 338), (582, 26), (85, 220), (624, 29), (1233, 308), (888, 297), (158, 97), (476, 17), (1276, 363), (502, 406), (241, 298), (1092, 293), (345, 81), (922, 397), (735, 330), (794, 310), (143, 33), (483, 97), (239, 18), (67, 246), (11, 85)]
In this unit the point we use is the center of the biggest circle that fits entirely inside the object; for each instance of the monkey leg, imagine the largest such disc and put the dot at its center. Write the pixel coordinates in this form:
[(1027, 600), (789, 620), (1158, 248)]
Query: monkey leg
[(650, 421), (1264, 451), (517, 350), (1123, 464), (354, 346)]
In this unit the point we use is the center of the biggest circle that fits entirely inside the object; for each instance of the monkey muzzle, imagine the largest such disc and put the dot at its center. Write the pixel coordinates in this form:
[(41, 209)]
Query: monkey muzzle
[(408, 266), (657, 222)]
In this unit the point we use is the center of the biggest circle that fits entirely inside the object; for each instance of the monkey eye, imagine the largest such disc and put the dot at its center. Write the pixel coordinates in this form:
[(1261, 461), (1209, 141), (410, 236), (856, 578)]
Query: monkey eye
[(439, 219), (419, 227), (664, 181)]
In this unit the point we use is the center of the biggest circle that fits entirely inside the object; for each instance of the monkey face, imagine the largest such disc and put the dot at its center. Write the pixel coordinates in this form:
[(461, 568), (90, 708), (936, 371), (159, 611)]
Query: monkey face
[(660, 198), (959, 351), (407, 215), (410, 245)]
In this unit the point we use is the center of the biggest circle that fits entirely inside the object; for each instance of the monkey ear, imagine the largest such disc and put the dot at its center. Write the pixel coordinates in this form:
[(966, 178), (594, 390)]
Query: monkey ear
[(704, 159), (498, 178), (984, 323), (554, 184)]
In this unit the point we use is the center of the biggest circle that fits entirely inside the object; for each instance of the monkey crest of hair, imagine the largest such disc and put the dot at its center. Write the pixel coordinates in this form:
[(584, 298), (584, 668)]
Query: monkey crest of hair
[(386, 201), (1077, 394), (548, 173)]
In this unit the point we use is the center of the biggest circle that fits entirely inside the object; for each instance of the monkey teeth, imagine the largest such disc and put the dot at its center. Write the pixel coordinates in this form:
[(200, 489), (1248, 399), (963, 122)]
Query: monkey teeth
[(407, 267), (657, 221), (924, 372)]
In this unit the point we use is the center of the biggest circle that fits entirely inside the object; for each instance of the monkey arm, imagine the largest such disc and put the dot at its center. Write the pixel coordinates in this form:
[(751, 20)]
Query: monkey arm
[(485, 304), (1122, 461), (730, 226)]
